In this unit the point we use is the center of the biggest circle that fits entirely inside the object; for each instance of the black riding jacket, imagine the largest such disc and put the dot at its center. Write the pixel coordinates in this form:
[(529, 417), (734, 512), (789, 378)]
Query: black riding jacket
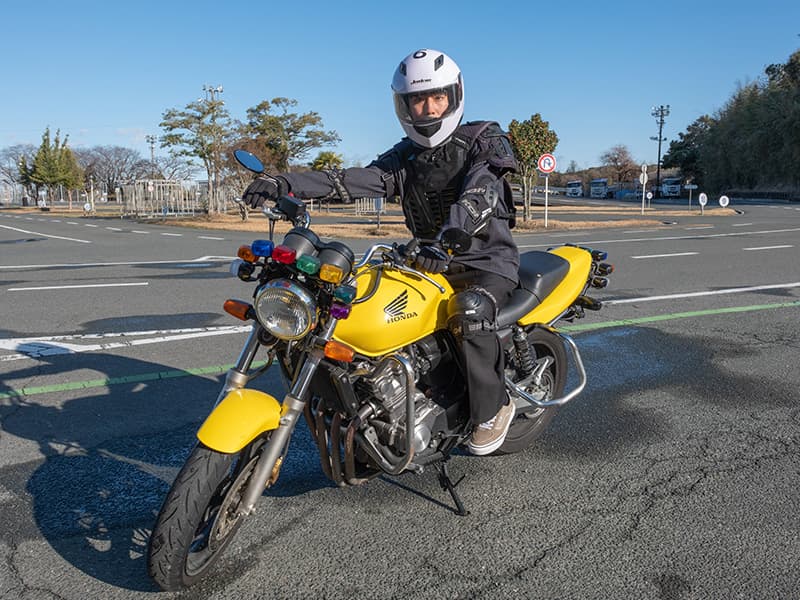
[(457, 184)]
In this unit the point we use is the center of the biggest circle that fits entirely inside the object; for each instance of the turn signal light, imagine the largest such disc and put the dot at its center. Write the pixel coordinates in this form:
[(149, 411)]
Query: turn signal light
[(246, 254), (599, 282), (338, 351), (605, 269), (238, 309), (284, 254), (330, 273)]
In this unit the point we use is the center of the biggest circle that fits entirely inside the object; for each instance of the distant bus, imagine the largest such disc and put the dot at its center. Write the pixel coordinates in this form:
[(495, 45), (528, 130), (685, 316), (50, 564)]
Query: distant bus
[(575, 189), (598, 188), (671, 187)]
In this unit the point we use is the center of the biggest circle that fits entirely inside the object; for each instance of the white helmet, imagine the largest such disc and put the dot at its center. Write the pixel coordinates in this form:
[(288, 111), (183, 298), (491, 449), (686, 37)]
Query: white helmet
[(428, 71)]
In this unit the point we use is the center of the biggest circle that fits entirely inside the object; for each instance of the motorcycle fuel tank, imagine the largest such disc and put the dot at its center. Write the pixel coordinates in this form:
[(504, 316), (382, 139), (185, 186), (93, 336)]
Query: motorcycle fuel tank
[(403, 309)]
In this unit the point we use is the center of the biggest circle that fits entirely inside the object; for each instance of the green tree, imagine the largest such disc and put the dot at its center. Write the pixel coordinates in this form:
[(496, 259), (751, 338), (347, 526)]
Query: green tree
[(530, 139), (283, 135), (326, 161), (53, 165), (684, 153), (200, 130)]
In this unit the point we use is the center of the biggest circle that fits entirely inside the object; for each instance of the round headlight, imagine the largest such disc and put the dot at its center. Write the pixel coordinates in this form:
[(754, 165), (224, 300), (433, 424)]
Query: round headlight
[(286, 309)]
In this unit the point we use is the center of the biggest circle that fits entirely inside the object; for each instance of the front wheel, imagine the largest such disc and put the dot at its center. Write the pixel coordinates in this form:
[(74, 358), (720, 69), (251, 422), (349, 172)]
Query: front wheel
[(526, 428), (200, 516)]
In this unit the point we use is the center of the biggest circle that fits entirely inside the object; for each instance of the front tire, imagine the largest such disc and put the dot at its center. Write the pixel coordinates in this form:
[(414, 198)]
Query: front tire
[(527, 428), (199, 517)]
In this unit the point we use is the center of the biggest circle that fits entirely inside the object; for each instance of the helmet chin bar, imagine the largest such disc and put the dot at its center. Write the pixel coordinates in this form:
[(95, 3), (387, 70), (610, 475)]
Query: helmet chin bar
[(428, 129)]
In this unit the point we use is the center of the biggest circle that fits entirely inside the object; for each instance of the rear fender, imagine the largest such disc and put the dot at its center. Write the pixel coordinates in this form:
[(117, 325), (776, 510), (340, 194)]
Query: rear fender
[(238, 419)]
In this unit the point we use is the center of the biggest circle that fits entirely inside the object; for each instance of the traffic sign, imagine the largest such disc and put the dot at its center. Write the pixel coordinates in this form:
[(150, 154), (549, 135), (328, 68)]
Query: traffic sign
[(649, 195), (643, 178), (723, 201), (546, 163), (690, 186), (644, 168), (702, 199)]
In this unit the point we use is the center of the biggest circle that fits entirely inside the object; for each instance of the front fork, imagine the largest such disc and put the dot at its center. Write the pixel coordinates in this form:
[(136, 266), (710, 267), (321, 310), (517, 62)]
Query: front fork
[(291, 408)]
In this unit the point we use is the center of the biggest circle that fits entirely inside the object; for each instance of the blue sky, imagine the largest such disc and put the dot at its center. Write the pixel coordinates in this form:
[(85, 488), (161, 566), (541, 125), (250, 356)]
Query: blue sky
[(105, 72)]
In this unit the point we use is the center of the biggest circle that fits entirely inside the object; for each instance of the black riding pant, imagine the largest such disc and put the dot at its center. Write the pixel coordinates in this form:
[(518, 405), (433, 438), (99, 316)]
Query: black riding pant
[(481, 352)]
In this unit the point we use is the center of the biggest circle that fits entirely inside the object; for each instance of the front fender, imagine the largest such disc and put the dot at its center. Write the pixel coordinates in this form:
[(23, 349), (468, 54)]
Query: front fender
[(237, 420)]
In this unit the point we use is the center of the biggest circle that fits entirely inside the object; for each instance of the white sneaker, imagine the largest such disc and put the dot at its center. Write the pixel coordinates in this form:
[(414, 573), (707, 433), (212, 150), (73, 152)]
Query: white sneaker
[(489, 436)]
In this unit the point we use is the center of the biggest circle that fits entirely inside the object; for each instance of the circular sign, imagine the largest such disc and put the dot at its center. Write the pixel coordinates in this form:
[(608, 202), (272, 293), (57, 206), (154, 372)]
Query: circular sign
[(702, 198), (644, 168), (643, 178), (723, 201), (546, 163), (649, 195), (87, 207)]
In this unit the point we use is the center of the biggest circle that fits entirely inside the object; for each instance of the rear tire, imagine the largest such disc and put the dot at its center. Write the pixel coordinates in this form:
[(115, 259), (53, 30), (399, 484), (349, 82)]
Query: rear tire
[(199, 516), (526, 428)]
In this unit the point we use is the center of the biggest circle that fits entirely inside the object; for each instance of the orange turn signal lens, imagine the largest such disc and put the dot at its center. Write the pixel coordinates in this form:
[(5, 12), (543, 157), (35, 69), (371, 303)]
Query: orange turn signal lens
[(331, 273), (237, 308), (338, 351), (246, 254)]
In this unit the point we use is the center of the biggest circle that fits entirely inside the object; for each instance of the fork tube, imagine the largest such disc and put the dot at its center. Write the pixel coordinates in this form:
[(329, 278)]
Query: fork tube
[(236, 377), (291, 409)]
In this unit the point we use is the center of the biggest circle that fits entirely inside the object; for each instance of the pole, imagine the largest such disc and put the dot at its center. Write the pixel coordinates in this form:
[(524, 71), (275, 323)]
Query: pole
[(546, 197), (660, 113), (644, 186)]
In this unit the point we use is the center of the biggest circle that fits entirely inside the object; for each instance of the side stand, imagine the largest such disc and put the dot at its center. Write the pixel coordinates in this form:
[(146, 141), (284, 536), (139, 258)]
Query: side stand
[(448, 485)]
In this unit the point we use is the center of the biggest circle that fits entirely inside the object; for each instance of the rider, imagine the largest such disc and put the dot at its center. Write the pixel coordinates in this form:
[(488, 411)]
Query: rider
[(449, 177)]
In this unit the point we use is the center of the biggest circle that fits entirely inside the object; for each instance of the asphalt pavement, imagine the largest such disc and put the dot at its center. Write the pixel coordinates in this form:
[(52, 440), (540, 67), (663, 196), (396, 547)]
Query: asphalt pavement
[(675, 474)]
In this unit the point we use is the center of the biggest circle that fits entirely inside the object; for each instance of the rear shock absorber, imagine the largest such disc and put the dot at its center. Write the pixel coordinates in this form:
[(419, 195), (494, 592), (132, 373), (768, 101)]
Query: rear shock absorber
[(525, 361)]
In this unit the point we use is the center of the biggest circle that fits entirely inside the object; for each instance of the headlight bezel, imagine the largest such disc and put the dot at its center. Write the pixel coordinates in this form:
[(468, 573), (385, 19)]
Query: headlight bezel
[(283, 297)]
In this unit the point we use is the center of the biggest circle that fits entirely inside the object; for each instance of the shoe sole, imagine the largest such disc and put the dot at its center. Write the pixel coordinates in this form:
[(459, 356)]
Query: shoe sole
[(489, 448)]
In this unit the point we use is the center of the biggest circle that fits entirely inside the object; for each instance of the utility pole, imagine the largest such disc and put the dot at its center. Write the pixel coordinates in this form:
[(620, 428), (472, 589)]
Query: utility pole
[(211, 99), (660, 113), (151, 139)]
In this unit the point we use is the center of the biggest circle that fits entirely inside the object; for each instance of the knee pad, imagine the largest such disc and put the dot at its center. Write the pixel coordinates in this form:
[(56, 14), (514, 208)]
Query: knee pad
[(471, 312)]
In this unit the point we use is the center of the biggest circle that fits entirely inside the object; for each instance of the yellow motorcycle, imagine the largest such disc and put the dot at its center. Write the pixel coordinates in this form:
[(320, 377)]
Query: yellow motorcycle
[(372, 367)]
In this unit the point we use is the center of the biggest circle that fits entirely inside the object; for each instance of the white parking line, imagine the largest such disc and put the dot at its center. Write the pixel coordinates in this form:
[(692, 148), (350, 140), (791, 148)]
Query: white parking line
[(665, 255), (208, 237), (139, 231), (740, 224), (72, 287), (114, 228), (699, 227), (755, 288), (72, 223), (173, 234), (769, 247), (57, 237), (90, 225)]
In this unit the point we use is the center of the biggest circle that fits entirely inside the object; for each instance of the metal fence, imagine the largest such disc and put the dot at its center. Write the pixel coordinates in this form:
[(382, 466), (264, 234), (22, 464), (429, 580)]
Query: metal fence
[(160, 198)]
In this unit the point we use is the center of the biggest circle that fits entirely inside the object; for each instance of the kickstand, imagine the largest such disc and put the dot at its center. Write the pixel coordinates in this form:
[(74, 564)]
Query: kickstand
[(448, 485)]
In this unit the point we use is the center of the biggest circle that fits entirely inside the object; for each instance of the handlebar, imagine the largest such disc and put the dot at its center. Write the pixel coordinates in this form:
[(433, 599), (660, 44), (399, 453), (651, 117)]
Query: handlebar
[(389, 257)]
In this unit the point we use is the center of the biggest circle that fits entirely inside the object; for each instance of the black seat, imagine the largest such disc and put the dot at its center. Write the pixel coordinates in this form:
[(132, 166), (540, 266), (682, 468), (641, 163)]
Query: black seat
[(539, 274)]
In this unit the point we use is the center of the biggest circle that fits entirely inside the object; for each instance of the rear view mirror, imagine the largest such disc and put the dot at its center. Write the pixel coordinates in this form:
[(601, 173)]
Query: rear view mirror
[(249, 161)]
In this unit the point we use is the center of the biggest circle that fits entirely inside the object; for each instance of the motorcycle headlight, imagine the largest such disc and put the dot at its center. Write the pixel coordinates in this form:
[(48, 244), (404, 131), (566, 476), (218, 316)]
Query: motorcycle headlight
[(285, 309)]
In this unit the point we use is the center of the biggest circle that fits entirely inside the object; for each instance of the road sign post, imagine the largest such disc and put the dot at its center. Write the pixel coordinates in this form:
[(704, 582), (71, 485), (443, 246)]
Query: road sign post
[(702, 199), (643, 181), (546, 164), (690, 187)]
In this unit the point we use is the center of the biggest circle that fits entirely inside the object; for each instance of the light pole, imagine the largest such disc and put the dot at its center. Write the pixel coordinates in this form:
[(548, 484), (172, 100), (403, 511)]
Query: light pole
[(151, 139), (660, 113), (211, 93)]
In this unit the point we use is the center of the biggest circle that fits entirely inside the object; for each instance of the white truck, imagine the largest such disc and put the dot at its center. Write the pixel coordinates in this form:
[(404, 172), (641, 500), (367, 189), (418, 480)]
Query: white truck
[(575, 189), (671, 187), (598, 188)]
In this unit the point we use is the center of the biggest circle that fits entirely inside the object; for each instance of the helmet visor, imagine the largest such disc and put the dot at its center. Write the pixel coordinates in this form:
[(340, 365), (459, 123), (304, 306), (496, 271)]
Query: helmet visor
[(426, 107)]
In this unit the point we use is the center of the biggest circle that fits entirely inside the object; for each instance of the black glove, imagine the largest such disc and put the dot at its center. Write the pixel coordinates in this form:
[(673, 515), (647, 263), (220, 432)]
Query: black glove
[(264, 189), (432, 259)]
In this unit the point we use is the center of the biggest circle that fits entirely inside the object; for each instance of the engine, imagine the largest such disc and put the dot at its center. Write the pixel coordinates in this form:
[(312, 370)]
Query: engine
[(387, 394)]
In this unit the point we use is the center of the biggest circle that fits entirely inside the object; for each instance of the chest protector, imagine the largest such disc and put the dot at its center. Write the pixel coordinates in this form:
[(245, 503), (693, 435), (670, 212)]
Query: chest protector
[(434, 179)]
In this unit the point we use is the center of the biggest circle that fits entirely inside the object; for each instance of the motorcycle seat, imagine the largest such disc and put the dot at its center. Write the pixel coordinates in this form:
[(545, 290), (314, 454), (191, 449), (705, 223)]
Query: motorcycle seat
[(539, 274)]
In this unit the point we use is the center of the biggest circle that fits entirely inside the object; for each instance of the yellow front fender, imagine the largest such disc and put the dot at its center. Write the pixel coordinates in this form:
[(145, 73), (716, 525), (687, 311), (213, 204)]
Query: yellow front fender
[(238, 419)]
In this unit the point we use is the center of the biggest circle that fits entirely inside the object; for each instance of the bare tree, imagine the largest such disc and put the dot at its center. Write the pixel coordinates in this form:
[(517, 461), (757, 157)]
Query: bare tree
[(619, 161), (112, 165)]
